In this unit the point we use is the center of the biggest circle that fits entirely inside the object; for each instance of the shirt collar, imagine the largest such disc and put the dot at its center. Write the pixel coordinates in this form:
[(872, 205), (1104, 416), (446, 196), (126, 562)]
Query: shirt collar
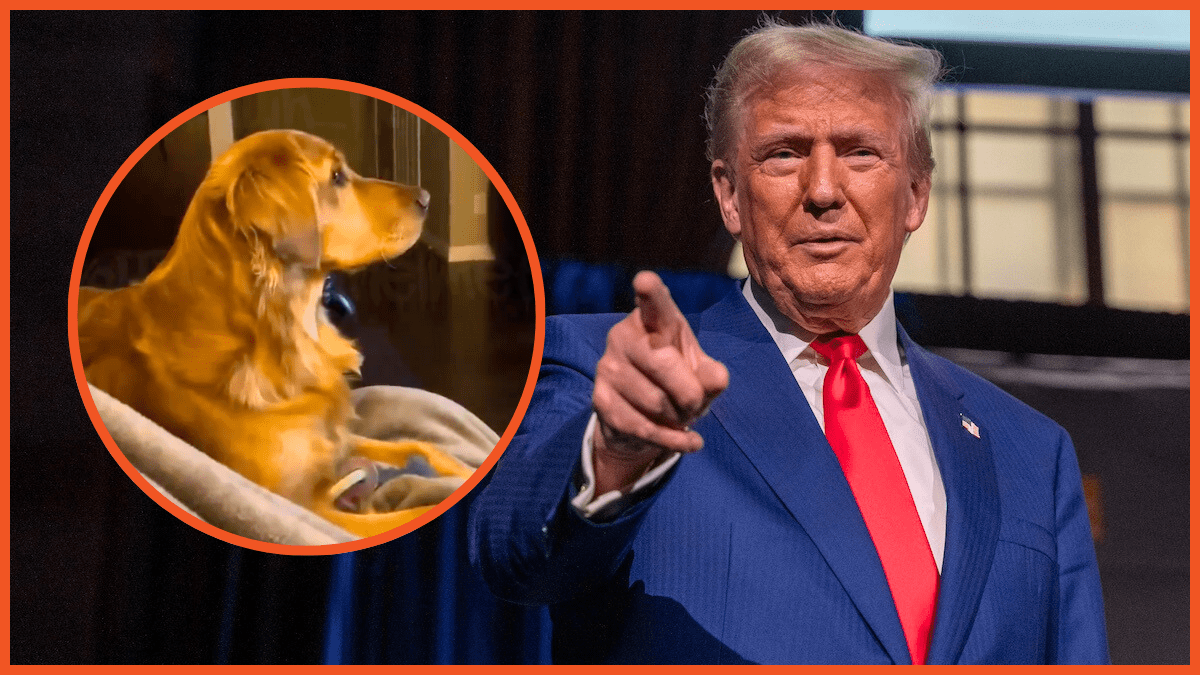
[(879, 334)]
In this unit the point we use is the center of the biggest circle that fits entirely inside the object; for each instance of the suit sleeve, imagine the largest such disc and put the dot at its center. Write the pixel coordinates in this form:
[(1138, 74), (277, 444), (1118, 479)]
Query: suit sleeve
[(1079, 632), (526, 540)]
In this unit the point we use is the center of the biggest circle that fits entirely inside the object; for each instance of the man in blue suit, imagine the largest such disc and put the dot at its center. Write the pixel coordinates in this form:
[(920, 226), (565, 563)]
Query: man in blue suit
[(785, 477)]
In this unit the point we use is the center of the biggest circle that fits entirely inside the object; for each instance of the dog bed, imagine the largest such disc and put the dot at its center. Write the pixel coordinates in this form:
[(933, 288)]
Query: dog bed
[(218, 495)]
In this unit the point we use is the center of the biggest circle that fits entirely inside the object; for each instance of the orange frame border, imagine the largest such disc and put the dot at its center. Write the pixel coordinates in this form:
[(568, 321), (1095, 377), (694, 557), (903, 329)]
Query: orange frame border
[(313, 83), (5, 262)]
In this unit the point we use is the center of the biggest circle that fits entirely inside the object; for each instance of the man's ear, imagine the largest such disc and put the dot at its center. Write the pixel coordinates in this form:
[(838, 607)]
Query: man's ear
[(920, 206), (724, 189)]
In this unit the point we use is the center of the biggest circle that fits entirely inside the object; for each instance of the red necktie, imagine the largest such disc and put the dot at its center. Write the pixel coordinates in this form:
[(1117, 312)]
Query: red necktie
[(856, 432)]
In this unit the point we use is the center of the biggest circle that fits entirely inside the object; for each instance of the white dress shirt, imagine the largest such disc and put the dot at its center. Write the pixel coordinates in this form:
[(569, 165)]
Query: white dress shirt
[(886, 372)]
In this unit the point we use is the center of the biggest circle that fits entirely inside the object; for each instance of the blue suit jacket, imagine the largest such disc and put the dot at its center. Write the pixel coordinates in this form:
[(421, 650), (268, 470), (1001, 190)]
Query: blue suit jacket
[(753, 548)]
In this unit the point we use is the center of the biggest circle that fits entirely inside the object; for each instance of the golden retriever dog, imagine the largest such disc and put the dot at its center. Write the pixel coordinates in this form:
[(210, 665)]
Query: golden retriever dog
[(226, 343)]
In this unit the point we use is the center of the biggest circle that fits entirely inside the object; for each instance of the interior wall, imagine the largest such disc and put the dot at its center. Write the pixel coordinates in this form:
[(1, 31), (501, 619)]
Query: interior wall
[(468, 207), (434, 154), (343, 118)]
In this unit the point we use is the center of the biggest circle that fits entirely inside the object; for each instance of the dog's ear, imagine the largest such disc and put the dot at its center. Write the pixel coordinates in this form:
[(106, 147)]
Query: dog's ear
[(247, 201), (302, 248), (276, 209)]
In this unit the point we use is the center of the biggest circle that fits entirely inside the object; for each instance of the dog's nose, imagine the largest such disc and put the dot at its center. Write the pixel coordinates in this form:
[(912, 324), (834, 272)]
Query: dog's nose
[(423, 199)]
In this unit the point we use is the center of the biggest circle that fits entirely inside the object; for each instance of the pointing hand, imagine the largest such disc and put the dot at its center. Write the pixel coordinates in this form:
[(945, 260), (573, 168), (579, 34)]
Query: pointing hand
[(652, 383)]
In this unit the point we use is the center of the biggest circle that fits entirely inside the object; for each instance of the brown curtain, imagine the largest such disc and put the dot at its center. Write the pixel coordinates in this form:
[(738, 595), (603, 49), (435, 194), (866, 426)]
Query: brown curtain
[(593, 119)]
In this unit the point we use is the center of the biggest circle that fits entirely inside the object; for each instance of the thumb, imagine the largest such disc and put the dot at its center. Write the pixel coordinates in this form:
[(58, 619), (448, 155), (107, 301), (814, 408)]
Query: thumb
[(713, 376)]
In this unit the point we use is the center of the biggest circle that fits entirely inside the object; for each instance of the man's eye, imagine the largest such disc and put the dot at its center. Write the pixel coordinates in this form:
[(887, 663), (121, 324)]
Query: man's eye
[(783, 154), (338, 177)]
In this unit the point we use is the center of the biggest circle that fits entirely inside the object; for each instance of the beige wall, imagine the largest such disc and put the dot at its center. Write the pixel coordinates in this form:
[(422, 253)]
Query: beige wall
[(343, 118), (435, 176), (468, 208)]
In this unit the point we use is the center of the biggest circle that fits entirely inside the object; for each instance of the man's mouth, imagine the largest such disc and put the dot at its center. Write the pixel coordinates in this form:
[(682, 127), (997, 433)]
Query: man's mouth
[(825, 246)]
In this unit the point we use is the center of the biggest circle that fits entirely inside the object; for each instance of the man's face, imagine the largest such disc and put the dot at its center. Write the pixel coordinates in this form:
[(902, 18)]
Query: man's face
[(820, 193)]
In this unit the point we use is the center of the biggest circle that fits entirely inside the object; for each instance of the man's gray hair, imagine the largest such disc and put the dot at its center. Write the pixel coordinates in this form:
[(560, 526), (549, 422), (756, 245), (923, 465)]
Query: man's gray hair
[(757, 59)]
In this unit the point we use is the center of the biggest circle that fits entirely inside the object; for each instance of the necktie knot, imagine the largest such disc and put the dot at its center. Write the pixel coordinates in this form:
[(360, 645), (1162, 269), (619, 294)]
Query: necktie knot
[(843, 383), (839, 348)]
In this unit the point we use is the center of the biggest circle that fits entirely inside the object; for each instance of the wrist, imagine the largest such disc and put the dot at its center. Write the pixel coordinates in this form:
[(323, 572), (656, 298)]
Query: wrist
[(618, 465)]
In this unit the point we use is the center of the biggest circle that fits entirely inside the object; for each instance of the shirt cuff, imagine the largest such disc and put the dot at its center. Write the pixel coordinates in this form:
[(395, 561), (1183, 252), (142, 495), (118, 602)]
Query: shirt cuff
[(610, 504)]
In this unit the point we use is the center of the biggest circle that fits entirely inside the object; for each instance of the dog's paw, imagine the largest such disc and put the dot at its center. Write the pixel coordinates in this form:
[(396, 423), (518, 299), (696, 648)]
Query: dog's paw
[(360, 479)]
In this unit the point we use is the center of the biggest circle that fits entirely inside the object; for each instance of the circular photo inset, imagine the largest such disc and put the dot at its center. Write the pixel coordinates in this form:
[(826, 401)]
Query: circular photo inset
[(306, 316)]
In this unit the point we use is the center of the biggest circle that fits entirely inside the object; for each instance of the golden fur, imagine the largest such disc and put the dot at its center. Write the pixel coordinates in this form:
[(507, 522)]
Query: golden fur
[(226, 343)]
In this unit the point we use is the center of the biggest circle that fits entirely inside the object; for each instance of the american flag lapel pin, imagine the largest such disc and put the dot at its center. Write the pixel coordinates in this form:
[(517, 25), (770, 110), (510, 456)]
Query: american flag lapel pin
[(970, 426)]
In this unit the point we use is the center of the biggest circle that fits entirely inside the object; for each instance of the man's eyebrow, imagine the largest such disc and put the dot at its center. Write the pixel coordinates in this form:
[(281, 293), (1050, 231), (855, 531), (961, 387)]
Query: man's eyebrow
[(860, 135), (791, 135), (840, 138)]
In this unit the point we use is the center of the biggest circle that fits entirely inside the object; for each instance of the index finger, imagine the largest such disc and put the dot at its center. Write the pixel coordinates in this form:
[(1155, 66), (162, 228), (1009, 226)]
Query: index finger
[(660, 314)]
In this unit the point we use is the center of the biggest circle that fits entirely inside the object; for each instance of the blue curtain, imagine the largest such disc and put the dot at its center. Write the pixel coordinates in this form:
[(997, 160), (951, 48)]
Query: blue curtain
[(417, 600), (575, 287)]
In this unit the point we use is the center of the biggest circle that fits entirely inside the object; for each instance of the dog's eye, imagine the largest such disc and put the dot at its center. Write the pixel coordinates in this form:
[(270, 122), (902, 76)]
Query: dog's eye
[(338, 177)]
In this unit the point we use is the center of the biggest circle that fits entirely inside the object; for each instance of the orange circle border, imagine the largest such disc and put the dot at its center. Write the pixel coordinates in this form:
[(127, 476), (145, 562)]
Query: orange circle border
[(311, 83)]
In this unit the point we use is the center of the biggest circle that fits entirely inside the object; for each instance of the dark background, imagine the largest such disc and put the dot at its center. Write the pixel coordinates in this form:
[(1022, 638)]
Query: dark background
[(593, 120)]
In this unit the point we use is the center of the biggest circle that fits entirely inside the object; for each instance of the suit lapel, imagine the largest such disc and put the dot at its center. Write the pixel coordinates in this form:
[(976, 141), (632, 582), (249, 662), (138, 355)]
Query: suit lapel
[(767, 416), (972, 500)]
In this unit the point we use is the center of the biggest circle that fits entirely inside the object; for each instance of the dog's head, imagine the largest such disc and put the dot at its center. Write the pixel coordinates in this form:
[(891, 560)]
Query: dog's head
[(295, 198)]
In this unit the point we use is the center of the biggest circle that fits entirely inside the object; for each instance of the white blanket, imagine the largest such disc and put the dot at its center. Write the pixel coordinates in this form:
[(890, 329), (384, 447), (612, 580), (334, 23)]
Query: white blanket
[(220, 496)]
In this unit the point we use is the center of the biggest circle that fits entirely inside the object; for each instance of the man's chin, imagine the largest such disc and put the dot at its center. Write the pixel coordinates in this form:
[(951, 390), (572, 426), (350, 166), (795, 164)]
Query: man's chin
[(826, 307), (818, 293)]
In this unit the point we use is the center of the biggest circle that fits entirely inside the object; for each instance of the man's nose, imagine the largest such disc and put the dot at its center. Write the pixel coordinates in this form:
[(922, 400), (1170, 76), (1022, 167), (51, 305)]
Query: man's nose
[(823, 191)]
